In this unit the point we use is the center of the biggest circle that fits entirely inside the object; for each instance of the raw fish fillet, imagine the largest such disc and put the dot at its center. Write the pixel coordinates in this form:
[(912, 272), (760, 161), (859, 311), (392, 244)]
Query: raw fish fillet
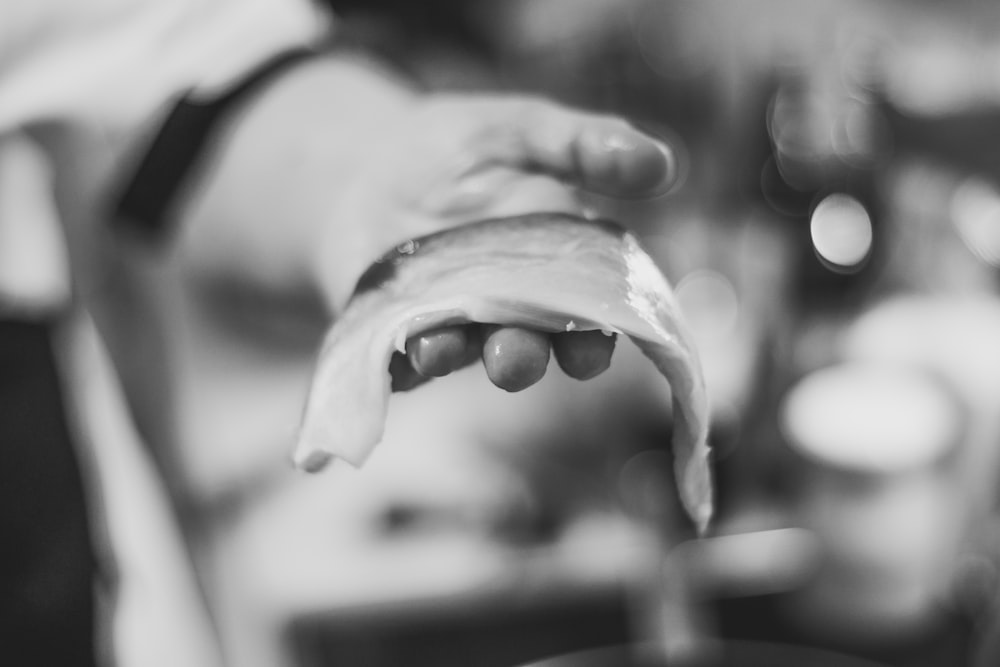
[(550, 272)]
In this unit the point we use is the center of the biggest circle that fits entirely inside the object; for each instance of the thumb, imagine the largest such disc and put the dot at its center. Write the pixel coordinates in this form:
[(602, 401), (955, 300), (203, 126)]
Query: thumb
[(596, 152)]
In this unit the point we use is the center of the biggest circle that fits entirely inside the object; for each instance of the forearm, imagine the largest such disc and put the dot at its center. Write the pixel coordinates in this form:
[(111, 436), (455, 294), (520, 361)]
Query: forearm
[(269, 197), (337, 162)]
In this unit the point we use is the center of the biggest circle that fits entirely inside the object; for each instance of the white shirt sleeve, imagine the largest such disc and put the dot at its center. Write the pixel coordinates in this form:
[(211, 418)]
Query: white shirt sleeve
[(120, 60), (34, 273), (109, 67)]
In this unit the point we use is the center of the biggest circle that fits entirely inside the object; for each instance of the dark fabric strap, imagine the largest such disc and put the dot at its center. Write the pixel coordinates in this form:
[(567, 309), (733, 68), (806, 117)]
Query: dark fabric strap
[(48, 565), (145, 206)]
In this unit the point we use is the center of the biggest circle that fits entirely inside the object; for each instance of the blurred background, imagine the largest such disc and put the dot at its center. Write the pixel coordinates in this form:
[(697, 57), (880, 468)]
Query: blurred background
[(835, 244)]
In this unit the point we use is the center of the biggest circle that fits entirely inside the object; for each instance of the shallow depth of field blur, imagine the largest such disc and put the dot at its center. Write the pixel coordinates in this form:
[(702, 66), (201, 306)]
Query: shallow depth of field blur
[(835, 244)]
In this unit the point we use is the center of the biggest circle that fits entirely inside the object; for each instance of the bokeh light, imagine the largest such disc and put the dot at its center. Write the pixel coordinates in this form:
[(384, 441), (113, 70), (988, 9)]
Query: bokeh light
[(869, 417), (975, 212), (709, 302), (841, 232)]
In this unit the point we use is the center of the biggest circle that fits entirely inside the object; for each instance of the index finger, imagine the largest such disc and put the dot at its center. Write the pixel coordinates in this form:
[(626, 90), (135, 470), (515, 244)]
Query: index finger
[(597, 152)]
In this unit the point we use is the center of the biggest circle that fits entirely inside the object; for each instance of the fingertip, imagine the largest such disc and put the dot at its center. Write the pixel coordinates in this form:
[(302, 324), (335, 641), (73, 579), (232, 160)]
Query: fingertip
[(515, 358), (621, 160), (583, 355), (437, 353)]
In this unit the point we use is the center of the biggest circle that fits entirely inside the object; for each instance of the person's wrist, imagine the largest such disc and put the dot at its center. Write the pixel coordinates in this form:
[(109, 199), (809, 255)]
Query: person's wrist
[(357, 221)]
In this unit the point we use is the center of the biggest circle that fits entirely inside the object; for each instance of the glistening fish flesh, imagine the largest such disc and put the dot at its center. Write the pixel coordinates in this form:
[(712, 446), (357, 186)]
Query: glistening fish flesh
[(550, 272)]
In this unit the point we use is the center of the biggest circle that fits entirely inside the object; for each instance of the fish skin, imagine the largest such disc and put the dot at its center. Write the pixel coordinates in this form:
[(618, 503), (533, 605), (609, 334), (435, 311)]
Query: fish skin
[(547, 271)]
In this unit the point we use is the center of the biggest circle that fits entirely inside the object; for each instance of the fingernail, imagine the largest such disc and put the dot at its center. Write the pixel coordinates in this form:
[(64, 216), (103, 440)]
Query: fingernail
[(620, 141), (655, 166), (671, 169)]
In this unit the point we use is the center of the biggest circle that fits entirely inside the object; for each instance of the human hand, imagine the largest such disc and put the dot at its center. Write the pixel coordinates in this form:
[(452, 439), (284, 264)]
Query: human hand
[(334, 164), (456, 159), (514, 358)]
